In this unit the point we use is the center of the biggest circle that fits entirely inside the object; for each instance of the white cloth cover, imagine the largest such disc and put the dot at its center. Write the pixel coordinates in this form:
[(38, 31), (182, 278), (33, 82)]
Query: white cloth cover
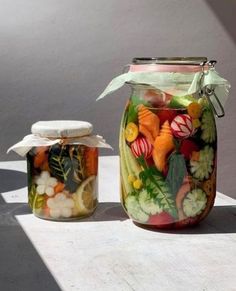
[(62, 128), (48, 133), (32, 140)]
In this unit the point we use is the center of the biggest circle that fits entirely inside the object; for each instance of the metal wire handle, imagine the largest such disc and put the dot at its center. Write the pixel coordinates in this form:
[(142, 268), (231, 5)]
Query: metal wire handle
[(210, 91)]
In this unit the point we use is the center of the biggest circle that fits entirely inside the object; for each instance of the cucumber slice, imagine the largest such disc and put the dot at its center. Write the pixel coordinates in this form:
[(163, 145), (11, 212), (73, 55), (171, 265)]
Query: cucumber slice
[(134, 209), (208, 127), (148, 204), (202, 168), (194, 202), (181, 101)]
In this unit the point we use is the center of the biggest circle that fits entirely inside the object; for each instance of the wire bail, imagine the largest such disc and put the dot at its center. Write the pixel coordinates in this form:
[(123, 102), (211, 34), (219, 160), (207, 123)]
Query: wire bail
[(209, 91)]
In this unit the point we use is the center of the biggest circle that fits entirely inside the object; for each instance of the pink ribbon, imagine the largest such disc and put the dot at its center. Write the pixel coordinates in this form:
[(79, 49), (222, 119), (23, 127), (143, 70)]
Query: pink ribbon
[(167, 68)]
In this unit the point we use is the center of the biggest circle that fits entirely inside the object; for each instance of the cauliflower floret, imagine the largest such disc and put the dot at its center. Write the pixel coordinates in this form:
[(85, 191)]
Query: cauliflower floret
[(60, 206), (45, 183)]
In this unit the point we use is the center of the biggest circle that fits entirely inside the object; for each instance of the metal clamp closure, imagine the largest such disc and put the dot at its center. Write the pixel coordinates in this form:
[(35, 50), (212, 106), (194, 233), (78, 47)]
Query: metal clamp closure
[(209, 91)]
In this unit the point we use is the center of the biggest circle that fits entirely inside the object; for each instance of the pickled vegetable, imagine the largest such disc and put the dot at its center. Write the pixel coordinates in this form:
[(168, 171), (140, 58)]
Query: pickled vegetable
[(167, 163), (208, 127), (194, 110), (67, 190), (131, 132), (202, 168), (194, 202)]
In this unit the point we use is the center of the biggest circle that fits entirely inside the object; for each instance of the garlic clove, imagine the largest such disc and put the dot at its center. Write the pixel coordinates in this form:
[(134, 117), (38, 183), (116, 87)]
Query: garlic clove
[(60, 197), (55, 213), (45, 175), (52, 182), (49, 191), (40, 181), (66, 212), (40, 189), (69, 203), (51, 203)]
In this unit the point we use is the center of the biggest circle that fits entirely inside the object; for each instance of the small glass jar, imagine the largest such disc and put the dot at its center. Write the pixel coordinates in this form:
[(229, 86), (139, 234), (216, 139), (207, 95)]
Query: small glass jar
[(168, 148), (62, 177)]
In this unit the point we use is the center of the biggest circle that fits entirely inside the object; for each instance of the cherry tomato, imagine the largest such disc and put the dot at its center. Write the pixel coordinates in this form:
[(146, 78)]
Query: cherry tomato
[(166, 114)]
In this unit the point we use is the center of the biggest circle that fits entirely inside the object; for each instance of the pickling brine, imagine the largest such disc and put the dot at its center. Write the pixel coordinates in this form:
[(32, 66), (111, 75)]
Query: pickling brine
[(168, 146), (62, 181), (168, 160)]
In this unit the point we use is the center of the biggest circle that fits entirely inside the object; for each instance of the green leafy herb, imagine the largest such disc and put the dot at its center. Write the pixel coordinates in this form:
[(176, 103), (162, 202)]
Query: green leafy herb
[(35, 200), (176, 172), (39, 201), (60, 163), (78, 163), (157, 188), (31, 195), (62, 167), (133, 108)]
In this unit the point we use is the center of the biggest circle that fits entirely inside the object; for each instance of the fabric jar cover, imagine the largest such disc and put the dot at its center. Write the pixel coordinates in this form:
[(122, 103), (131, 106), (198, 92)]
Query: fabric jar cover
[(47, 133)]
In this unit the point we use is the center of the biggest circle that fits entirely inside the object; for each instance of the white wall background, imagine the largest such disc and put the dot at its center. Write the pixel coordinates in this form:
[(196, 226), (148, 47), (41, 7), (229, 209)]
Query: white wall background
[(57, 56)]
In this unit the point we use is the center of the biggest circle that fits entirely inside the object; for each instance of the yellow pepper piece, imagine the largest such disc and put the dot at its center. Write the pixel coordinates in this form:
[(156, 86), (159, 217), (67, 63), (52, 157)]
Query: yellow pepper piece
[(137, 184), (194, 110), (196, 123), (131, 132), (202, 101), (131, 179)]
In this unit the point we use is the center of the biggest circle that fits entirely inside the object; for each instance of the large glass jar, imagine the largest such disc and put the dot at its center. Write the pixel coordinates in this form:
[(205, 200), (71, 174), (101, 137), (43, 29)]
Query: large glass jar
[(168, 149), (62, 177)]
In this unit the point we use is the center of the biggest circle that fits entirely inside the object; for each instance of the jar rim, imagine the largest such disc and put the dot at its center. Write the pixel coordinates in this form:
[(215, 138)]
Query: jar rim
[(169, 60)]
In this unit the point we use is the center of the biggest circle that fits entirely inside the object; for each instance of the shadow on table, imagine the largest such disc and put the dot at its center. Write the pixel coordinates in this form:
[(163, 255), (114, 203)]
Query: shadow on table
[(21, 266), (107, 211), (222, 219), (12, 180)]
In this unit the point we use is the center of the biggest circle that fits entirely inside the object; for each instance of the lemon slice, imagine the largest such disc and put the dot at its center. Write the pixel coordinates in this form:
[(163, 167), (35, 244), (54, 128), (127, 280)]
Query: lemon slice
[(84, 196)]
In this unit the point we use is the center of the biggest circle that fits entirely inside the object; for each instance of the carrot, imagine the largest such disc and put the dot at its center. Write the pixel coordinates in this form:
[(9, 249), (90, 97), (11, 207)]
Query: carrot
[(148, 123), (162, 146), (91, 161), (45, 165), (59, 187), (40, 156)]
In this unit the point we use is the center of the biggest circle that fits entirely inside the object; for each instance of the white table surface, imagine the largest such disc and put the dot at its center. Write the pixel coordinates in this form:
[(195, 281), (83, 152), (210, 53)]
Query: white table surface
[(109, 252)]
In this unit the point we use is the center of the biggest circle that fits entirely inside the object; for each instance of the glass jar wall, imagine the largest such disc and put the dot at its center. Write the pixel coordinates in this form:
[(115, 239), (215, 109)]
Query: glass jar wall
[(62, 181), (168, 158)]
